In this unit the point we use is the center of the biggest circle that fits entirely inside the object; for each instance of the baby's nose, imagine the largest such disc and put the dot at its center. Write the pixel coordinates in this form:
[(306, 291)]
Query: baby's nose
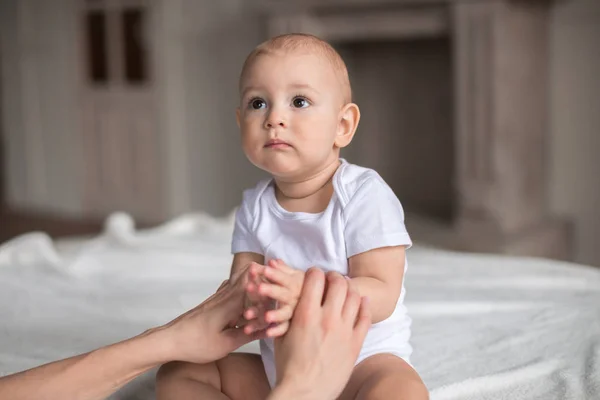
[(271, 124), (275, 119)]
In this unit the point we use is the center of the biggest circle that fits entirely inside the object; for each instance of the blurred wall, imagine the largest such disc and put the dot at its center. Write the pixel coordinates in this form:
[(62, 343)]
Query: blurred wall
[(201, 47), (221, 39), (38, 71), (215, 37), (575, 122), (219, 36)]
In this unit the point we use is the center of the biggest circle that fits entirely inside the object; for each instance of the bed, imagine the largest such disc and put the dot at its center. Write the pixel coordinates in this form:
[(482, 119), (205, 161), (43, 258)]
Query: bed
[(484, 327)]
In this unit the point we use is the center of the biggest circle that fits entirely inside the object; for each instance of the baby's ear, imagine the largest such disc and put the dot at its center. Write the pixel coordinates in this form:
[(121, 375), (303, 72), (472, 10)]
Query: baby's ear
[(349, 117)]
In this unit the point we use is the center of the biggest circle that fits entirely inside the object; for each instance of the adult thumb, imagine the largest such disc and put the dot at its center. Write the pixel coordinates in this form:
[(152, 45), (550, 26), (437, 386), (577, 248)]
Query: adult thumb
[(230, 304)]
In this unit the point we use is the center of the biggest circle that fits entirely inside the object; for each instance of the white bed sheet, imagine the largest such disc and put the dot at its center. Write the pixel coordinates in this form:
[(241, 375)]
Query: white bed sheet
[(484, 327)]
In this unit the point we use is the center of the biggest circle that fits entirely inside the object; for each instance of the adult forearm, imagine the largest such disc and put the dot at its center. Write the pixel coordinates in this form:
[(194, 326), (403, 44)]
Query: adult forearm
[(381, 297), (93, 375)]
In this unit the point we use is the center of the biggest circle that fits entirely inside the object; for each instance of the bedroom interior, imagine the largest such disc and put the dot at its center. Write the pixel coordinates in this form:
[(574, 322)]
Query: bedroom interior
[(475, 182), (119, 154)]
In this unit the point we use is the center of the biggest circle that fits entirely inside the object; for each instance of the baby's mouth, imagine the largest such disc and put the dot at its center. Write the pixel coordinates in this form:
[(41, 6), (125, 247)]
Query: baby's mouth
[(277, 144)]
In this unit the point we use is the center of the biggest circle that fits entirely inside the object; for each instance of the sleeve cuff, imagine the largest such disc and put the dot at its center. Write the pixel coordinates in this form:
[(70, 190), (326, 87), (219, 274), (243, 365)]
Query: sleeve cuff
[(244, 246), (374, 242)]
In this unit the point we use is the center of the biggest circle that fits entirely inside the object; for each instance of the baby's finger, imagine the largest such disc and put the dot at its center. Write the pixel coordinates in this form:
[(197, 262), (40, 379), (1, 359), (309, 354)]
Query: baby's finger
[(280, 315), (256, 270), (279, 264), (251, 287), (251, 313), (278, 330), (278, 276), (276, 292), (249, 329)]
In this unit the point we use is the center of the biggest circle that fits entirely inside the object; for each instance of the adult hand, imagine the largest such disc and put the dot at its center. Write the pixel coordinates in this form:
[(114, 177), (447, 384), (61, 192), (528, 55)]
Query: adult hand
[(207, 332), (316, 356), (201, 335)]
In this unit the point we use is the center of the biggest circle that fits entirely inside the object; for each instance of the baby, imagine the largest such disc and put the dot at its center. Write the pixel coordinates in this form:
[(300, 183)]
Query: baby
[(295, 115)]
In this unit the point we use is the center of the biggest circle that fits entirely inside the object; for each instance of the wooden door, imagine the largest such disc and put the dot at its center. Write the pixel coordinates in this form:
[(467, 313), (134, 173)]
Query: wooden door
[(119, 118)]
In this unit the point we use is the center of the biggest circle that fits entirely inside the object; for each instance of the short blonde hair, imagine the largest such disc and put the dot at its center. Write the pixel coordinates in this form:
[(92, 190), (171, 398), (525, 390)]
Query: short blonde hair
[(303, 42)]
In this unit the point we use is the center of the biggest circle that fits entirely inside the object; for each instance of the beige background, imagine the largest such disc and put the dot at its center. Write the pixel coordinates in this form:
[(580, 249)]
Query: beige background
[(206, 41), (575, 122)]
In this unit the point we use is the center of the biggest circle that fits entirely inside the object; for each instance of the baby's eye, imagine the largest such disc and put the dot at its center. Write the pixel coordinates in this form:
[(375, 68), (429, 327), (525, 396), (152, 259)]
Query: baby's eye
[(257, 104), (300, 102)]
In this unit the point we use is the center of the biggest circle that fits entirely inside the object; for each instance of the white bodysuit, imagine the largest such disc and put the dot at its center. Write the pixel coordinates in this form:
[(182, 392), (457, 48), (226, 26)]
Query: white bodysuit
[(363, 214)]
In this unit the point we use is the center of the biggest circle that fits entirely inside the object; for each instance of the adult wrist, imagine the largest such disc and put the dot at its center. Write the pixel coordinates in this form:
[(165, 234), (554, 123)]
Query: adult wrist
[(162, 343), (287, 389)]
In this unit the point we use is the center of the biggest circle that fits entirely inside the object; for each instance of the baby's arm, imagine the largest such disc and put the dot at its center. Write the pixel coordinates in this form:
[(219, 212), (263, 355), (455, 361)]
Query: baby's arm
[(241, 261), (377, 274)]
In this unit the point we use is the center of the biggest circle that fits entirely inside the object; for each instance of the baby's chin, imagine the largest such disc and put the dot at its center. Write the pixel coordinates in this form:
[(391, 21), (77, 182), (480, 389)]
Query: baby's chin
[(280, 167)]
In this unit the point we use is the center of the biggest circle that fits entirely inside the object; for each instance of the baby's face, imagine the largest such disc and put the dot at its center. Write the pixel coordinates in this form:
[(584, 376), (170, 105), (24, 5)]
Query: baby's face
[(289, 114)]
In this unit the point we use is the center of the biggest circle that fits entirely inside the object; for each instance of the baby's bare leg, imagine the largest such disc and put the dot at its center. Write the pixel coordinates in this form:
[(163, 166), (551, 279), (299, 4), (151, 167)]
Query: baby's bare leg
[(382, 374), (237, 376)]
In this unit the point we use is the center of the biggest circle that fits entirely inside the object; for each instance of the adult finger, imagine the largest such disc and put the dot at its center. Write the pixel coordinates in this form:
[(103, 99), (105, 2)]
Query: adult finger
[(253, 294), (363, 323), (223, 284), (254, 276), (337, 288), (312, 292), (241, 273), (351, 306), (251, 287), (256, 270)]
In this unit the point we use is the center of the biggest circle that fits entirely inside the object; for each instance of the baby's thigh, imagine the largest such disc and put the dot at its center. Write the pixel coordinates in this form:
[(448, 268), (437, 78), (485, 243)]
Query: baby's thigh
[(384, 376), (243, 377), (238, 376)]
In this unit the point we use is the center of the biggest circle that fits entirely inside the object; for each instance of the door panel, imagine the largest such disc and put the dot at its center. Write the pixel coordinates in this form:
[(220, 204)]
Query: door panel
[(120, 119)]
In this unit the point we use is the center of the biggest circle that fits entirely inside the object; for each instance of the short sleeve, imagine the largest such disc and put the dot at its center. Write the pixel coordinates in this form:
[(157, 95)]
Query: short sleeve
[(374, 218), (243, 239)]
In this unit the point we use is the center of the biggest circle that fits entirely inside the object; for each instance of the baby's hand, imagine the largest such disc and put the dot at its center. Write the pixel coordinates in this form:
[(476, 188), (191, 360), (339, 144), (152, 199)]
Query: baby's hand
[(283, 284)]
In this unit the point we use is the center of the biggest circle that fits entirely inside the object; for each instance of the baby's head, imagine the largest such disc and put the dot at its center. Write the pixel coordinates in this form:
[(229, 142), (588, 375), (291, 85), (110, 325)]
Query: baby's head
[(295, 108)]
